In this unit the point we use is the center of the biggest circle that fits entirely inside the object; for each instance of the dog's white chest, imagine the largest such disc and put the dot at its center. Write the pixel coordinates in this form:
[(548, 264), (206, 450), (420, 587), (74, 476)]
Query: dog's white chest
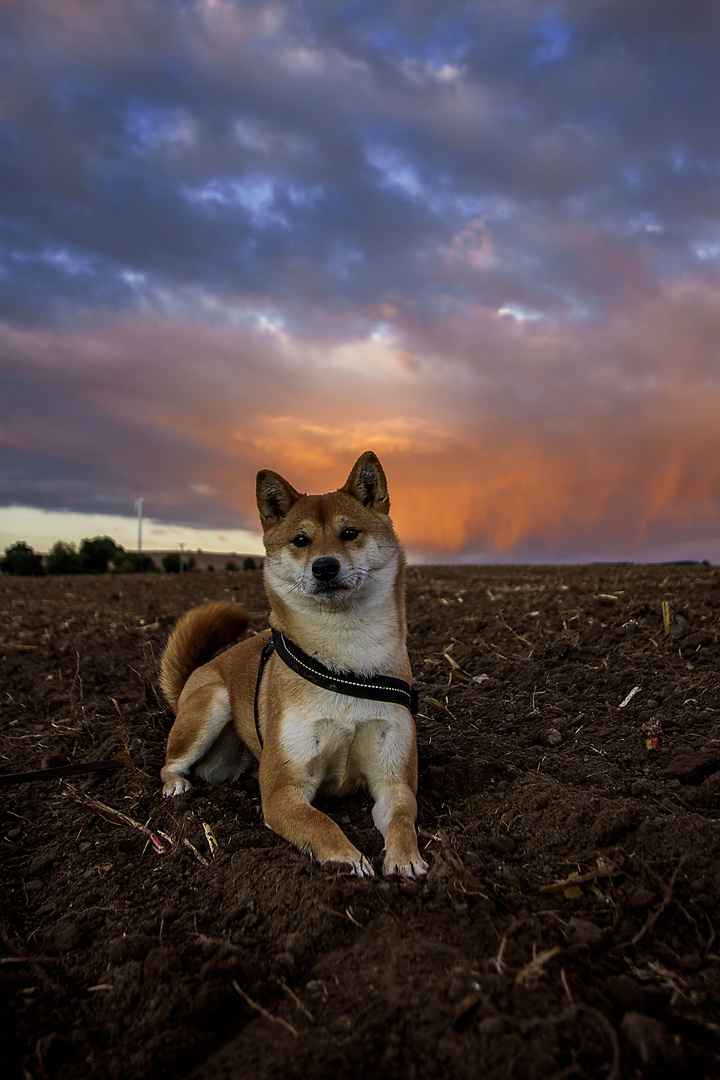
[(339, 743)]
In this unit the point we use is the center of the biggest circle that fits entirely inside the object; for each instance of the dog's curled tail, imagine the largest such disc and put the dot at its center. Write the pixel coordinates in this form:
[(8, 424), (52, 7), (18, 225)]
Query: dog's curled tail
[(195, 639)]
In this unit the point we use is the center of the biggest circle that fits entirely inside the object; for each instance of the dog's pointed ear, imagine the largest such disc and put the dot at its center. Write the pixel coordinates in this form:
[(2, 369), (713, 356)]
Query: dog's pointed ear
[(274, 497), (368, 484)]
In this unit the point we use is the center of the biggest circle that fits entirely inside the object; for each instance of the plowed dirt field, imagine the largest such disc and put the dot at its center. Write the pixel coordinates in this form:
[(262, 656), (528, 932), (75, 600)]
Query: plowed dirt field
[(569, 742)]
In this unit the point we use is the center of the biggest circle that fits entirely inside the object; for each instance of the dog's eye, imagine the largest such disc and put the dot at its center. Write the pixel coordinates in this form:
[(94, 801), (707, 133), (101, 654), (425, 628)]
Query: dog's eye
[(349, 534), (300, 541)]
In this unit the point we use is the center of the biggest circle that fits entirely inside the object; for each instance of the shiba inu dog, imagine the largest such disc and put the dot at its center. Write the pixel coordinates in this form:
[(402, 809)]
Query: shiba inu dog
[(323, 700)]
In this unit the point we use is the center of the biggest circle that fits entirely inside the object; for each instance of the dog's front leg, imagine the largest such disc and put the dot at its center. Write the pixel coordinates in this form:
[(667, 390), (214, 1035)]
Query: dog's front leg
[(389, 752), (394, 814), (287, 811)]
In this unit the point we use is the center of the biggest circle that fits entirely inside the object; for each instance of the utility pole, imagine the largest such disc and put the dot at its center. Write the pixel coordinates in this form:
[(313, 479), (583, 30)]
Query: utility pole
[(139, 508)]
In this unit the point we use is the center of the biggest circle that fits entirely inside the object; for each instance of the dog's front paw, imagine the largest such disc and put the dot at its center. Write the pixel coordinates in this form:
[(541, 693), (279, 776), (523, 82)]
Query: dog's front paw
[(413, 867), (359, 866), (363, 868), (178, 785)]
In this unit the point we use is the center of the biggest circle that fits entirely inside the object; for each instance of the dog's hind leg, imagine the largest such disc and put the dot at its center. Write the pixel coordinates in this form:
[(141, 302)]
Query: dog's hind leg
[(202, 720)]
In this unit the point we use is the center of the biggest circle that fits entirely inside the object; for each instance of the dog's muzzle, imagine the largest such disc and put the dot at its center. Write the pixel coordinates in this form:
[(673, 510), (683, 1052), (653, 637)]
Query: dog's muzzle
[(330, 581)]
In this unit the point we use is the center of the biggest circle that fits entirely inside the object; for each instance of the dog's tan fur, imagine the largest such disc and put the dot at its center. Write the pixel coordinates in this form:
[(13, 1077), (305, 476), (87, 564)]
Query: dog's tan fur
[(334, 575)]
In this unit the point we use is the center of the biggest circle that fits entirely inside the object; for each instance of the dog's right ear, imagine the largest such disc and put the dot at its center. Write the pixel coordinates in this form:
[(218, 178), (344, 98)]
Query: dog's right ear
[(274, 497)]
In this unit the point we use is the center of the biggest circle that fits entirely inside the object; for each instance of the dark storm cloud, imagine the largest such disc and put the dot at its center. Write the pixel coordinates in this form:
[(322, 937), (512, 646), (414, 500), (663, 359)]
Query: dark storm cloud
[(90, 420), (324, 155)]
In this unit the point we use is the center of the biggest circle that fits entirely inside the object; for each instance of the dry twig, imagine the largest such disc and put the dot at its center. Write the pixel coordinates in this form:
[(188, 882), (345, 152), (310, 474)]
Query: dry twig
[(293, 997), (605, 869), (264, 1012), (194, 851), (118, 817), (498, 961), (655, 915), (530, 974)]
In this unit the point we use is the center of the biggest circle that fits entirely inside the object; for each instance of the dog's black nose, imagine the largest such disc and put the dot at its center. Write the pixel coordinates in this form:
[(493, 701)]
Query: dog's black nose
[(325, 569)]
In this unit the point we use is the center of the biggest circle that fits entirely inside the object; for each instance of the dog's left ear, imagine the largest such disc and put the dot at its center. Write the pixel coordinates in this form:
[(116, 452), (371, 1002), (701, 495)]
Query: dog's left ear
[(368, 484)]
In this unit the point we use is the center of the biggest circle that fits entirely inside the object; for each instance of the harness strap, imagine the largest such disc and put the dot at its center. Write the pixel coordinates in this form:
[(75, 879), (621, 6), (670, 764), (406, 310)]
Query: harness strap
[(68, 770), (377, 688), (265, 655)]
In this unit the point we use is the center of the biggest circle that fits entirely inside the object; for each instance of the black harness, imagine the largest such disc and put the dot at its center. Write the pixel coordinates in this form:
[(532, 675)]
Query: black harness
[(378, 688)]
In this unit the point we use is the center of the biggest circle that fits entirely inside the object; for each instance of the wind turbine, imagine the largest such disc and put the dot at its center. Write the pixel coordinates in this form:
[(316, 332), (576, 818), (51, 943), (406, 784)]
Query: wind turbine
[(139, 508)]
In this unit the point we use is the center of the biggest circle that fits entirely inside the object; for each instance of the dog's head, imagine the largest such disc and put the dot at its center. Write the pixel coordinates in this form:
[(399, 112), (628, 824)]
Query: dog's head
[(330, 548)]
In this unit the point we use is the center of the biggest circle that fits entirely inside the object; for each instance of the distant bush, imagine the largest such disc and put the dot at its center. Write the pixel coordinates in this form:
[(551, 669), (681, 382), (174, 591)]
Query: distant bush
[(210, 567), (93, 557), (249, 563), (97, 554), (231, 567), (132, 562), (21, 561), (63, 558), (174, 562)]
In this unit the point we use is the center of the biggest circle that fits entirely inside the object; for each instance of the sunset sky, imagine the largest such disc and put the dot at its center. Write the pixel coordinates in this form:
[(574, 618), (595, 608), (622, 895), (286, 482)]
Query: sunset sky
[(481, 238)]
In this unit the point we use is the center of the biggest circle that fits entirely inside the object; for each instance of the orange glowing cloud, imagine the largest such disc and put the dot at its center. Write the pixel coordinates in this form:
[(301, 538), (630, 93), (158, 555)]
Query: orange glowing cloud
[(594, 440), (472, 245), (501, 438)]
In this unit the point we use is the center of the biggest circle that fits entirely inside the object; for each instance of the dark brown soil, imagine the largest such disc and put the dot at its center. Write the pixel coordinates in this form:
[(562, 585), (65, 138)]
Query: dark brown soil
[(568, 924)]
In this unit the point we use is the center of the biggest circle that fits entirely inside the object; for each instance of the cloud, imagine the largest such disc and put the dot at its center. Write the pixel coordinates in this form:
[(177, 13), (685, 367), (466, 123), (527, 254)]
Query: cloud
[(186, 144), (516, 434), (481, 238)]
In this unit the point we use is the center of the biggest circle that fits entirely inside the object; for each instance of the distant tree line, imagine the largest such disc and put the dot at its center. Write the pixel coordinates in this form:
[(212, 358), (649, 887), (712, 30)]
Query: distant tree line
[(95, 556)]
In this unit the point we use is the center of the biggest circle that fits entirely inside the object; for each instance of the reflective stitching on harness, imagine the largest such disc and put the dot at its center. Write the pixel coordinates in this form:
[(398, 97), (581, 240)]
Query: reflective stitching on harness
[(394, 686), (382, 688)]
